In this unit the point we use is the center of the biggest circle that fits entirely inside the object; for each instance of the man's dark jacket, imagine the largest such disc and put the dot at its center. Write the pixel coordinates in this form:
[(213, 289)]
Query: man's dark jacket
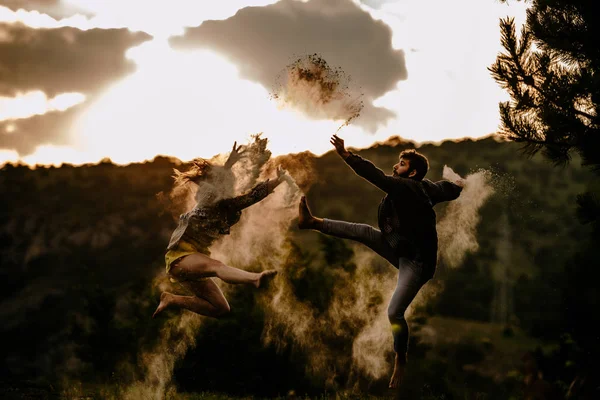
[(405, 215)]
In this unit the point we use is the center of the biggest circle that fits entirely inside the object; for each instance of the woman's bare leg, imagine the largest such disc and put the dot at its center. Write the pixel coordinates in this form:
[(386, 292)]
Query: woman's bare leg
[(208, 299), (197, 266), (192, 270)]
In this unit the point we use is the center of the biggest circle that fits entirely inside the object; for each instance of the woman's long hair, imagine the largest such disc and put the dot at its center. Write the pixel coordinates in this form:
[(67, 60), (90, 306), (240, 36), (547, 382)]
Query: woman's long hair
[(199, 169), (181, 196)]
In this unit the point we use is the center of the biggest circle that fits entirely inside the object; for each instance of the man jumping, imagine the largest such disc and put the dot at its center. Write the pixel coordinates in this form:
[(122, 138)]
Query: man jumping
[(407, 235)]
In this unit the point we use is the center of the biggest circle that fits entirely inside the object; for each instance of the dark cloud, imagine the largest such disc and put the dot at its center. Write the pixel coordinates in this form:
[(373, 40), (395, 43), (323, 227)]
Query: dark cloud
[(56, 61), (51, 128), (262, 41), (63, 59), (54, 8)]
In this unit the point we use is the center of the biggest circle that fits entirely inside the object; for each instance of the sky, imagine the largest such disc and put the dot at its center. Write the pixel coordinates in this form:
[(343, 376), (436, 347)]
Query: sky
[(82, 80)]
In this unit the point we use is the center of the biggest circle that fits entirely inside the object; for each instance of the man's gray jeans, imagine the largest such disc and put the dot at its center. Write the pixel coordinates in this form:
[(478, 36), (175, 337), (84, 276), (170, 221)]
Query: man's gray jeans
[(409, 274)]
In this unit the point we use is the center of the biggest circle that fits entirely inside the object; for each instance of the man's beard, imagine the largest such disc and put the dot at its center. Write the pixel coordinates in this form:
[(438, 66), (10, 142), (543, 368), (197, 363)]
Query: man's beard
[(403, 175)]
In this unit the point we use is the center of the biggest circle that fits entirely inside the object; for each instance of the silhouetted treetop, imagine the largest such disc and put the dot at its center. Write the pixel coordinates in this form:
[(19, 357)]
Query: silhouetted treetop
[(552, 73)]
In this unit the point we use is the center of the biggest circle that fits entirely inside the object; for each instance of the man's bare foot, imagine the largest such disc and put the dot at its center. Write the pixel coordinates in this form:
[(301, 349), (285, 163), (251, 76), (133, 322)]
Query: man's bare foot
[(265, 277), (165, 300), (305, 218), (398, 373)]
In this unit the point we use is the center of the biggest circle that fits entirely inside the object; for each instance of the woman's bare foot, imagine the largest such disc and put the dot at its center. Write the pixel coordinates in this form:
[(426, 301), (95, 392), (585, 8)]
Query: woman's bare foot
[(398, 373), (265, 277), (305, 218), (165, 300)]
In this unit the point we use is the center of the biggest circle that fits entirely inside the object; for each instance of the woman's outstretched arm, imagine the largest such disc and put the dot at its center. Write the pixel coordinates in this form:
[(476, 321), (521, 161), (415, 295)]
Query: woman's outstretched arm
[(257, 193)]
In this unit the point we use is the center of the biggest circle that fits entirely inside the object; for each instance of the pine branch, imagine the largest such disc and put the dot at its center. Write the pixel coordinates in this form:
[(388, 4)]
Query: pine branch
[(515, 58)]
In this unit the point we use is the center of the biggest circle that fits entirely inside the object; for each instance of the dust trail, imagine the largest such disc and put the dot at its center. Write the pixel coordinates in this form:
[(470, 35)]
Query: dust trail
[(176, 337), (374, 288), (311, 86), (457, 229), (356, 320)]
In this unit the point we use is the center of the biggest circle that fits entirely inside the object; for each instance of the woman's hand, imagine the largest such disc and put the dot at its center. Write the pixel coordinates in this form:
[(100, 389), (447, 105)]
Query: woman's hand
[(282, 175), (235, 155)]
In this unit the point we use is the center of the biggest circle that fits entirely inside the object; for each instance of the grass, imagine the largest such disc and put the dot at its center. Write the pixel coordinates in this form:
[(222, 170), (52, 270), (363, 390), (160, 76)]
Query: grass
[(488, 350), (468, 347)]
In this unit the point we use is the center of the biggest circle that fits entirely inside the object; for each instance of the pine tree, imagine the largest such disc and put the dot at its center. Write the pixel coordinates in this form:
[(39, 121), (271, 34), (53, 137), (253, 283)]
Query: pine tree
[(552, 72)]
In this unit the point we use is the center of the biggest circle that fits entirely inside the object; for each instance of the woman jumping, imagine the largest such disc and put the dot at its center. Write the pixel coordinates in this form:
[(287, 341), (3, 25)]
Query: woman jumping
[(188, 258)]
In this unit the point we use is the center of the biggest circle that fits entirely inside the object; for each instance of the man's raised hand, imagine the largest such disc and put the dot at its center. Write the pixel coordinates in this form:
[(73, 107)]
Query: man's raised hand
[(338, 143)]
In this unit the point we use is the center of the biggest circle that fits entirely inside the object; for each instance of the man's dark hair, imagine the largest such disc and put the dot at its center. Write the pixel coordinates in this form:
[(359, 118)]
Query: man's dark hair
[(417, 161)]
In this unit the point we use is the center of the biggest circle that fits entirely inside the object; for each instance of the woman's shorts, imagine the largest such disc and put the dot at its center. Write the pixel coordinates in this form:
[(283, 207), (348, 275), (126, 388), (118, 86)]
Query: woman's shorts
[(172, 256)]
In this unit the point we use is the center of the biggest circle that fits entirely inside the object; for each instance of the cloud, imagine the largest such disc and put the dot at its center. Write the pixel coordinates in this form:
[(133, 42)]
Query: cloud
[(262, 41), (36, 103), (63, 60), (24, 135), (55, 62), (54, 8)]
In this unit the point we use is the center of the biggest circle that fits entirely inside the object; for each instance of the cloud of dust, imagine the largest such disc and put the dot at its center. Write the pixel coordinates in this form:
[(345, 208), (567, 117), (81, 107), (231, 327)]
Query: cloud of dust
[(247, 170), (218, 181), (300, 167), (373, 289), (290, 322), (311, 86), (357, 315), (457, 229), (176, 337), (262, 230)]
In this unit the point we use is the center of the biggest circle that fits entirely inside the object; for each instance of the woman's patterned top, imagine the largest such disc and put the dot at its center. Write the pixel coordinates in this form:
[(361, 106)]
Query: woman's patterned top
[(204, 224)]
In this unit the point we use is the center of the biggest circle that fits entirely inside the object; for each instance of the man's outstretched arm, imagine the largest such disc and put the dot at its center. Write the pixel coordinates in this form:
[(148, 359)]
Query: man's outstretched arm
[(446, 190), (366, 169)]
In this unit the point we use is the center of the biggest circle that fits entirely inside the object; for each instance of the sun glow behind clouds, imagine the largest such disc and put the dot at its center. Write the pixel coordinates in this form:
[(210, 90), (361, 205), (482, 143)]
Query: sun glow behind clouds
[(194, 104), (36, 103), (188, 105)]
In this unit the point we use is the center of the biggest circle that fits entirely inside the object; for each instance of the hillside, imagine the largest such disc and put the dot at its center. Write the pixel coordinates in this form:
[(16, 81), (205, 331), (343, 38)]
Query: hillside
[(80, 248)]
